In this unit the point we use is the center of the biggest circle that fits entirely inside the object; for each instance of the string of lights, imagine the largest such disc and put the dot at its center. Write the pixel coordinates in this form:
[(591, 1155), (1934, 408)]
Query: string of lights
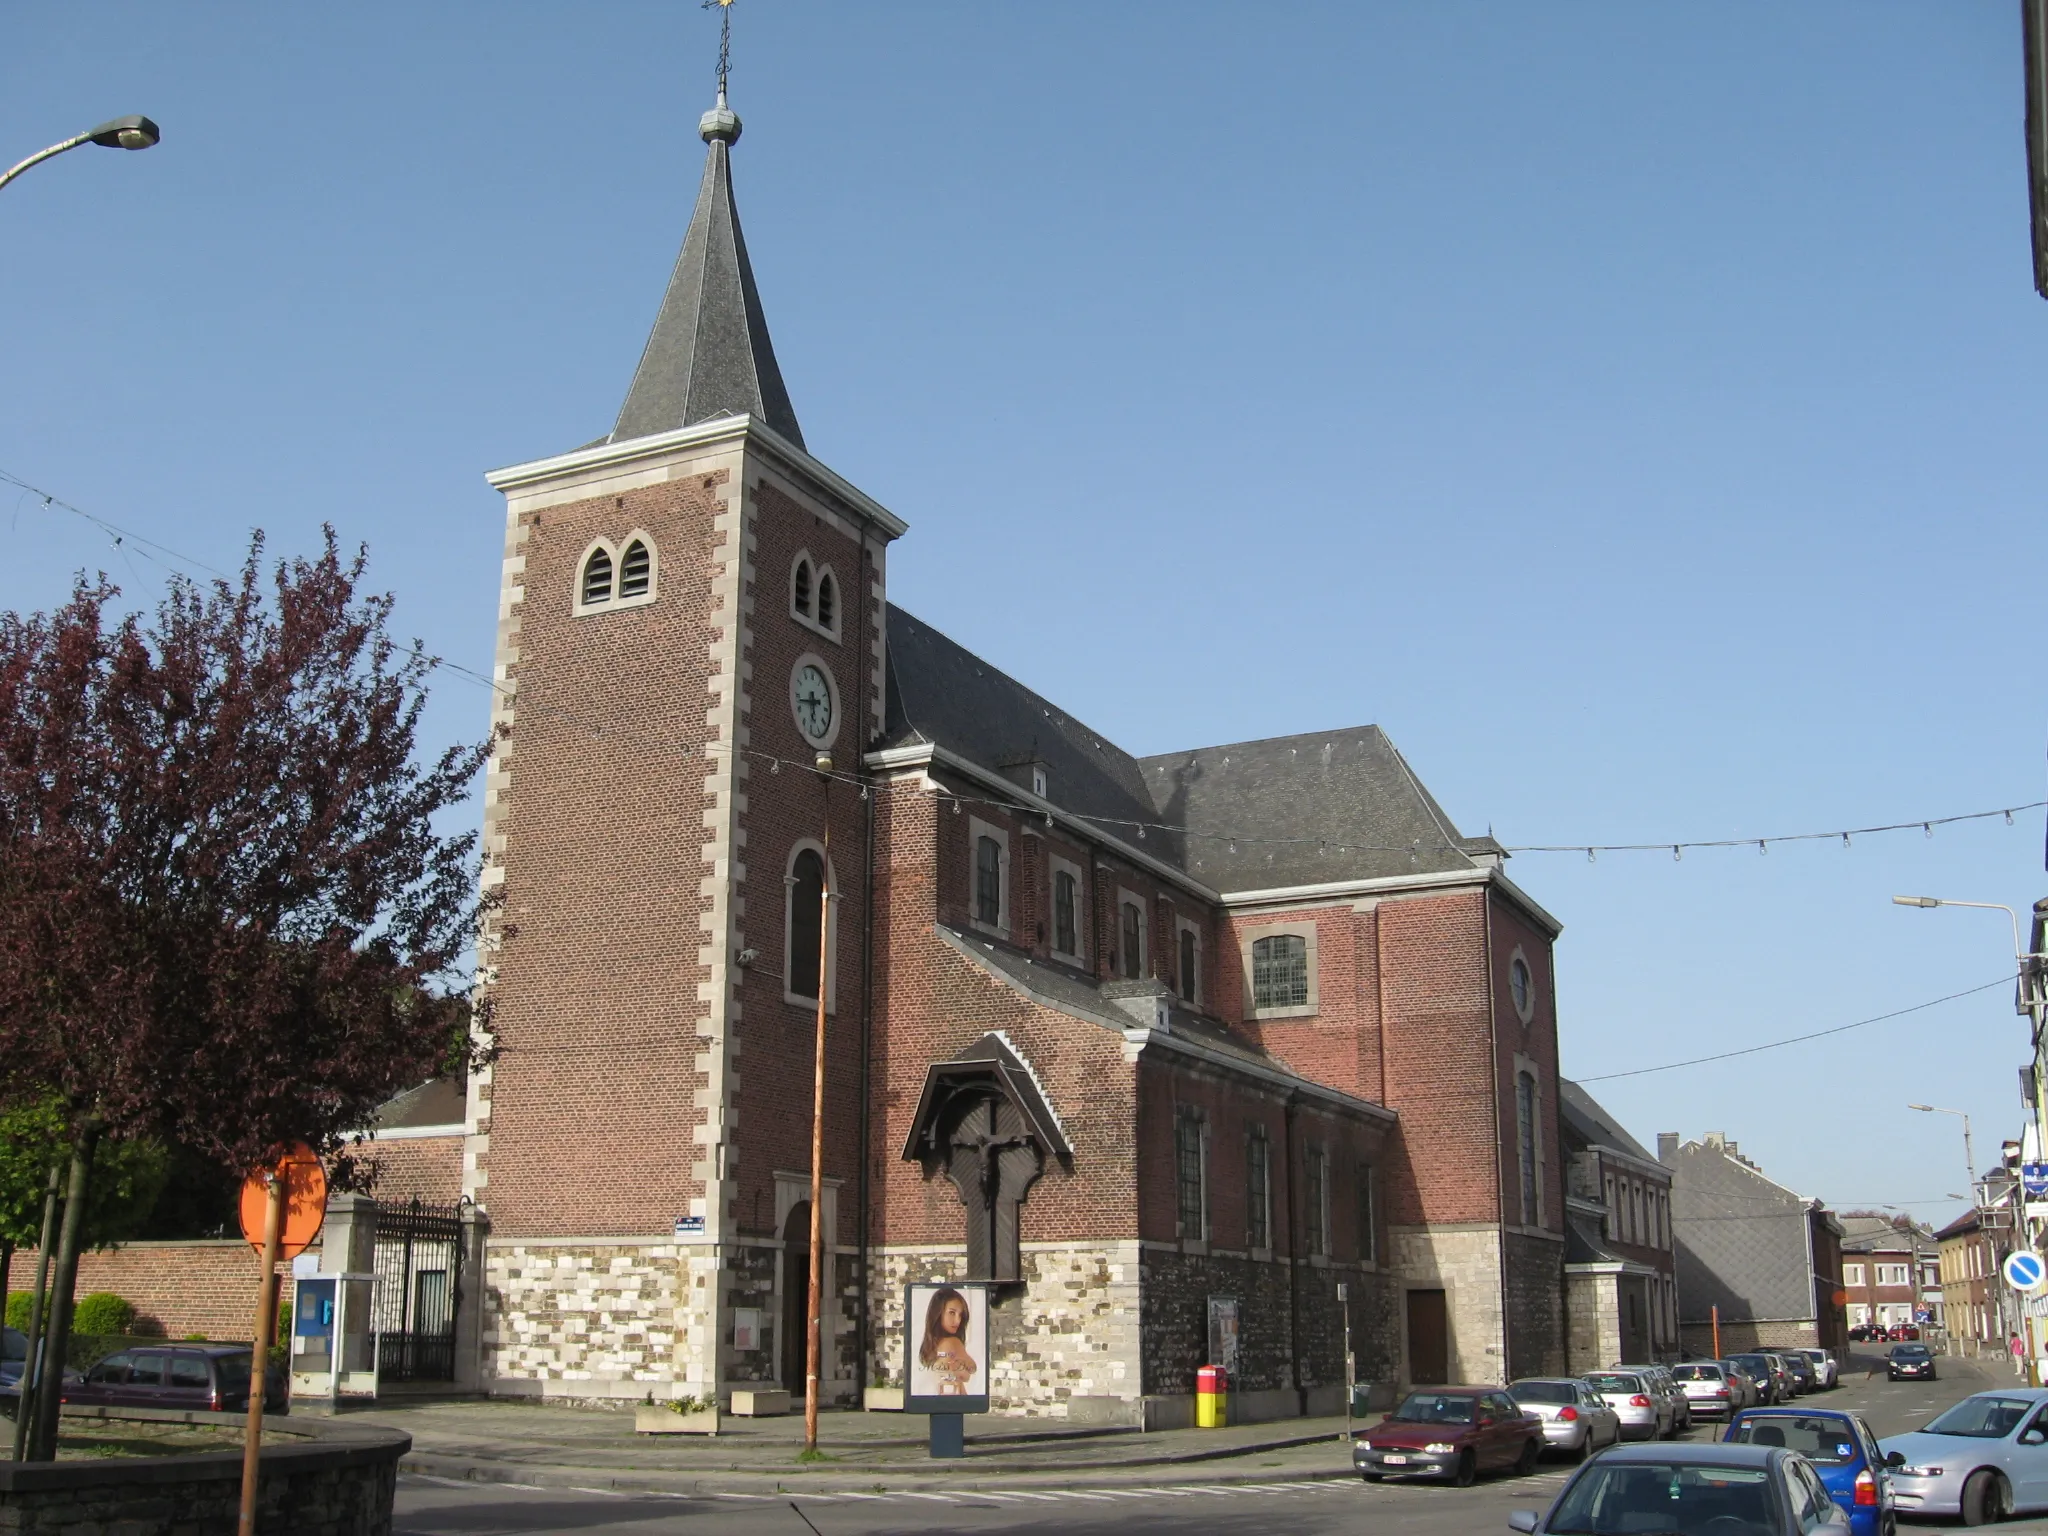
[(1132, 831), (1818, 1034)]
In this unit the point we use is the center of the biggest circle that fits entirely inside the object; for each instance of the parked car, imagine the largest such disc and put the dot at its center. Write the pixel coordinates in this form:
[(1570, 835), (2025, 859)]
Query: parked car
[(182, 1376), (1781, 1374), (1843, 1449), (1802, 1370), (1859, 1333), (1658, 1379), (1747, 1393), (1576, 1419), (1914, 1360), (1984, 1459), (1764, 1374), (1645, 1413), (1905, 1331), (1826, 1369), (1453, 1433), (1745, 1490), (13, 1357), (1709, 1391)]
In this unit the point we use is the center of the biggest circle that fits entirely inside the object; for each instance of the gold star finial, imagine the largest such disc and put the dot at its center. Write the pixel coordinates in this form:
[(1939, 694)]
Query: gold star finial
[(724, 8)]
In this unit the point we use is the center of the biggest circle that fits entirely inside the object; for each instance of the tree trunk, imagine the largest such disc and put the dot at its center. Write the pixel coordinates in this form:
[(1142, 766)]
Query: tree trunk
[(31, 1374), (62, 1284)]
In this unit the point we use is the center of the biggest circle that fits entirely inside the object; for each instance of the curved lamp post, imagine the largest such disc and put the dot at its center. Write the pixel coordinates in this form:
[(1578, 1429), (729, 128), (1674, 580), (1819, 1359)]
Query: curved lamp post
[(122, 133)]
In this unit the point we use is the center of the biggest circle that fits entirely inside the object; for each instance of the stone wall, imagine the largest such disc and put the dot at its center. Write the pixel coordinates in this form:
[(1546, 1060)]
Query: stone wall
[(328, 1486), (1465, 1263), (1535, 1305), (581, 1319), (1592, 1308)]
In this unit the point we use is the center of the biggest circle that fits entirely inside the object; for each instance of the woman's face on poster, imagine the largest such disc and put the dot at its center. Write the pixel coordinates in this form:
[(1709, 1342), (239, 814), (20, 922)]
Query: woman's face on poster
[(953, 1319)]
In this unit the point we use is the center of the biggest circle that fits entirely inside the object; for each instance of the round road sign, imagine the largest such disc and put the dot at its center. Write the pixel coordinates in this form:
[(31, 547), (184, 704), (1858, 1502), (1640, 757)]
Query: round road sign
[(305, 1208), (2024, 1271)]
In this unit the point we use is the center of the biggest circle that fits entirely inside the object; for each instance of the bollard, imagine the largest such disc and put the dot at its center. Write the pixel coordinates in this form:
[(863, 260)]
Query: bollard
[(1212, 1398)]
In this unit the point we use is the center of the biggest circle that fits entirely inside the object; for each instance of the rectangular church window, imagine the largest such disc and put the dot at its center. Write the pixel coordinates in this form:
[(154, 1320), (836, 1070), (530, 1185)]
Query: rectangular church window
[(1194, 1208), (1318, 1203), (1133, 946), (988, 881), (1280, 971), (1065, 899), (1258, 1190)]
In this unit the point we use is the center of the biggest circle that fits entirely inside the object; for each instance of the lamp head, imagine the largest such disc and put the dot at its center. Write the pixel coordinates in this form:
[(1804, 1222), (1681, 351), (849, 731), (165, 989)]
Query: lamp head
[(1916, 901), (1925, 1108), (127, 133)]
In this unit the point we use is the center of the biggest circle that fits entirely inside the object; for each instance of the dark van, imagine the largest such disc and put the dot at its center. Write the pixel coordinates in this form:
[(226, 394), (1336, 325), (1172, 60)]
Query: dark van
[(183, 1376)]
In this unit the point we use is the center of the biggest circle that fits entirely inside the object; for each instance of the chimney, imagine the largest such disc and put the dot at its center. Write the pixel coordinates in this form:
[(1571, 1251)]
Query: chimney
[(1667, 1146), (1715, 1141)]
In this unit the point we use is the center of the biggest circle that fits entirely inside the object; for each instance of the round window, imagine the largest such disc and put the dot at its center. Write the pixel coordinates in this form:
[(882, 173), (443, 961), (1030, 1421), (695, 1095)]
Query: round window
[(1519, 987)]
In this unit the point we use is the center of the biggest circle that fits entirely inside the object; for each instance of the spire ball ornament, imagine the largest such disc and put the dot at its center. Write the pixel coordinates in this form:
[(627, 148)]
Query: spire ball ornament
[(720, 125)]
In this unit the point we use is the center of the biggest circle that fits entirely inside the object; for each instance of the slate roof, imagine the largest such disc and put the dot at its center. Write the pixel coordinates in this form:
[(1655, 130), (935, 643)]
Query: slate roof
[(1329, 786), (439, 1101), (1741, 1239), (709, 353), (1305, 794), (1582, 1113)]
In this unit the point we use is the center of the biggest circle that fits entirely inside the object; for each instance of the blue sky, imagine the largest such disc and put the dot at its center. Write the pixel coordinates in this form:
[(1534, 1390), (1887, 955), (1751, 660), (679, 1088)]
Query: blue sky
[(1635, 410)]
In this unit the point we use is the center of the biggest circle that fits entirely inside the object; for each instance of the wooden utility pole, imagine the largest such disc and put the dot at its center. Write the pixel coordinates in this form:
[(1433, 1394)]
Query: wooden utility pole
[(813, 1313), (1717, 1332), (266, 1332)]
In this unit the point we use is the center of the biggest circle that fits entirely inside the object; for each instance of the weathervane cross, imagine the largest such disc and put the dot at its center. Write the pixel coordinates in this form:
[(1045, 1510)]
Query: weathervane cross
[(724, 9)]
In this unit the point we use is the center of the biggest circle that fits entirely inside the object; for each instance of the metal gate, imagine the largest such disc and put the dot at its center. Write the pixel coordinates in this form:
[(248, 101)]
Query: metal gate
[(419, 1265)]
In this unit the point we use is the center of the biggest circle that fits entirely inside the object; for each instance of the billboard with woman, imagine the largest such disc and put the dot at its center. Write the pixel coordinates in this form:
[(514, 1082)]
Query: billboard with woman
[(945, 1331)]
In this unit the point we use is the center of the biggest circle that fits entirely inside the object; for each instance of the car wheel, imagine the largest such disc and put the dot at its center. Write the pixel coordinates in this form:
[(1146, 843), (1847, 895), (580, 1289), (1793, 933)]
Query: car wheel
[(1983, 1501), (1526, 1462), (1468, 1469)]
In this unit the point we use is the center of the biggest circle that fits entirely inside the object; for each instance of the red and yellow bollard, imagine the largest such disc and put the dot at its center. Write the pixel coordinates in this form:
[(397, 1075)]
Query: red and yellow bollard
[(1212, 1398)]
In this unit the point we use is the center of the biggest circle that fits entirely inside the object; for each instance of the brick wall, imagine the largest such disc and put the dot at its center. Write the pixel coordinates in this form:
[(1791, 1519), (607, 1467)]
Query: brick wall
[(426, 1167), (178, 1289)]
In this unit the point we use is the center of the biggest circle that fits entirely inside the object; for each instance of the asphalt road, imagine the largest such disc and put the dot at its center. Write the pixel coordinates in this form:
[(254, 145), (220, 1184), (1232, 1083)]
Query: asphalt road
[(1300, 1504)]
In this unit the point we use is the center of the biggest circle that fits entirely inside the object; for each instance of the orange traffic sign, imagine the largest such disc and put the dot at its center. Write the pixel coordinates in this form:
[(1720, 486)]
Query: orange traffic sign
[(305, 1206)]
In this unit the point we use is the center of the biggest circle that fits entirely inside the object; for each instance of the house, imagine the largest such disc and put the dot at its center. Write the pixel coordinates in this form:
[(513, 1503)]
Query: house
[(1891, 1271), (1758, 1265), (1223, 1054), (1620, 1268), (1970, 1288)]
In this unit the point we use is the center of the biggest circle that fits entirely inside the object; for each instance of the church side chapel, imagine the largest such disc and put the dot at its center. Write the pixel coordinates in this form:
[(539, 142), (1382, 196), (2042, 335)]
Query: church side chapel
[(1232, 1055)]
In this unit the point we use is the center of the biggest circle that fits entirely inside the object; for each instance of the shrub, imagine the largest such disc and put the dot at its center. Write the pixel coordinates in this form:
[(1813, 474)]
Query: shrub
[(103, 1312), (18, 1305)]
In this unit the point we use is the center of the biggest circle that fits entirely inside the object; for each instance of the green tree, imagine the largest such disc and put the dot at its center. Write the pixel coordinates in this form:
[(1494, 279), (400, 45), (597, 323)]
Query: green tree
[(128, 1176)]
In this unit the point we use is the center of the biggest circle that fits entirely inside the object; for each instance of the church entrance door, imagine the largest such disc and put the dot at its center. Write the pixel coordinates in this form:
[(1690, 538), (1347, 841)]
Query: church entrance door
[(796, 1296), (1429, 1338)]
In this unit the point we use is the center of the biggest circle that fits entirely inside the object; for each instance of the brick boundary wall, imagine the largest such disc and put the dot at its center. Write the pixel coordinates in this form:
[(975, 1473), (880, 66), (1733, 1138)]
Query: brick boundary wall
[(181, 1289)]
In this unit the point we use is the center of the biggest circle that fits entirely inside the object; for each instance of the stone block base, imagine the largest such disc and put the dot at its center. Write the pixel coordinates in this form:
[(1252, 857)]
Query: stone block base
[(761, 1403)]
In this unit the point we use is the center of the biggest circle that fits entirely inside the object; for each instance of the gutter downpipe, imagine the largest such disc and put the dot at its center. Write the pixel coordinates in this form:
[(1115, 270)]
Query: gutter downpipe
[(861, 1333), (1293, 1262), (1500, 1178)]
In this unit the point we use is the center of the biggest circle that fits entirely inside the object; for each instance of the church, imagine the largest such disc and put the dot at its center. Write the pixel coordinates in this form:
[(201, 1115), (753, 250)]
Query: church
[(1241, 1054)]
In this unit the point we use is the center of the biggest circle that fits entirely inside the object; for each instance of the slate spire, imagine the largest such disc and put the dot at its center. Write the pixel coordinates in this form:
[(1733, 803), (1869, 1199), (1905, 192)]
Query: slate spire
[(709, 353)]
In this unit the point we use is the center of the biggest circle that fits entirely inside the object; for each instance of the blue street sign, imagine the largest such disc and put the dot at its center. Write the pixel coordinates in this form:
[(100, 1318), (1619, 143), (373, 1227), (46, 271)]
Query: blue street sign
[(2034, 1178), (2024, 1271)]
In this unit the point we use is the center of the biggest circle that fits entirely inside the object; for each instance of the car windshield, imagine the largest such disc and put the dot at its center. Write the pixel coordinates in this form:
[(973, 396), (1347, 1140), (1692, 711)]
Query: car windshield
[(1626, 1498), (1696, 1372), (1754, 1362), (1909, 1351), (1982, 1418), (1820, 1438), (1435, 1408), (1603, 1381), (1545, 1391)]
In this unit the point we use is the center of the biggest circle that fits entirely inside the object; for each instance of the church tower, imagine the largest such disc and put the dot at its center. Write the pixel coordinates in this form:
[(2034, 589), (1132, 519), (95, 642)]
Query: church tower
[(691, 619)]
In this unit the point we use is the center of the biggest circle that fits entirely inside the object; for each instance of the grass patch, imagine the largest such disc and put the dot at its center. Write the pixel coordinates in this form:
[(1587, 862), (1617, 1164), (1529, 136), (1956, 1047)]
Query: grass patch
[(811, 1453)]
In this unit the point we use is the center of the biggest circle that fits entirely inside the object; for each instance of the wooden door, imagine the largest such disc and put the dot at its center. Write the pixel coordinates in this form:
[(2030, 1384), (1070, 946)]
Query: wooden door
[(1429, 1338)]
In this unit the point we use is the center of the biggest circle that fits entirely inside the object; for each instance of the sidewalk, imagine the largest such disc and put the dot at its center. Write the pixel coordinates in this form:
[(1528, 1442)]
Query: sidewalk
[(555, 1447)]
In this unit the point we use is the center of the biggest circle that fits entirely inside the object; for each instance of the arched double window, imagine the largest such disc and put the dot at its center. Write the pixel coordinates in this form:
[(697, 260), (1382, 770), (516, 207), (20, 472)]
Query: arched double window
[(620, 575), (814, 595)]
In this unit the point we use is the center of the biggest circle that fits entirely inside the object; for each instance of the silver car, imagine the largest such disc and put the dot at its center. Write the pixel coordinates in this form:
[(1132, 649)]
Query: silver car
[(1661, 1385), (1708, 1389), (1576, 1419), (1984, 1459), (1743, 1386), (1826, 1371), (1645, 1413)]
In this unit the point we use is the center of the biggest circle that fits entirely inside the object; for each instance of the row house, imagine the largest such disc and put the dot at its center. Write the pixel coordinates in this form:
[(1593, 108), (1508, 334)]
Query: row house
[(1621, 1281), (1970, 1286), (1891, 1272)]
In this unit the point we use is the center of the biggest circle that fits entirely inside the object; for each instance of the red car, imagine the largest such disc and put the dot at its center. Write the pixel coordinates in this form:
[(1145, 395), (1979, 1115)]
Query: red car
[(1453, 1433)]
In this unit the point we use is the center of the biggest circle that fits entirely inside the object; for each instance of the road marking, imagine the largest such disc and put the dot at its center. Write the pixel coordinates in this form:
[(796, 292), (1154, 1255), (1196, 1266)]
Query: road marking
[(603, 1493), (939, 1498), (746, 1496)]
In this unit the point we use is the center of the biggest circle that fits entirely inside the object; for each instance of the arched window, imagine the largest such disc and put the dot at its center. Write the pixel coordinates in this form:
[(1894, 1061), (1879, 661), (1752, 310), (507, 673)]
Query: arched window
[(636, 571), (1280, 971), (1525, 1114), (597, 577), (1132, 941), (806, 922), (828, 601), (800, 588)]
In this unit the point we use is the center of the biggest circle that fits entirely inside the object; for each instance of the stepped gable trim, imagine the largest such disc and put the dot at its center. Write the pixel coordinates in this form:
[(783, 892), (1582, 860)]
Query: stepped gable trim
[(1174, 1042), (987, 1062)]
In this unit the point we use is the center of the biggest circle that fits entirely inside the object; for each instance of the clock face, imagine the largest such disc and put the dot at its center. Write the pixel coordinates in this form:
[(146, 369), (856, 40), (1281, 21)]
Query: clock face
[(812, 696)]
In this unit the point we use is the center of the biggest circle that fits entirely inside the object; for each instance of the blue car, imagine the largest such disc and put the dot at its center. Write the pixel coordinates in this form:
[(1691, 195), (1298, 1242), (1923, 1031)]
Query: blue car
[(1843, 1450)]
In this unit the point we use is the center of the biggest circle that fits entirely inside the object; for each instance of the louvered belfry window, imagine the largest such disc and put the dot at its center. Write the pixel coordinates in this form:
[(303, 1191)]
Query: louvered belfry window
[(636, 570), (1280, 971), (597, 578), (828, 601), (802, 592)]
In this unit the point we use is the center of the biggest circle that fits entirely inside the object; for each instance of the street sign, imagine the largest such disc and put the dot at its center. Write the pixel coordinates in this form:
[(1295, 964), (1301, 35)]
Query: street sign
[(305, 1202), (2034, 1179), (2024, 1271)]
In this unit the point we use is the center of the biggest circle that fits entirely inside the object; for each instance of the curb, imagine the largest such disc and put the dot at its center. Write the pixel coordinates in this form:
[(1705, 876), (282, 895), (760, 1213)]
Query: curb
[(769, 1485)]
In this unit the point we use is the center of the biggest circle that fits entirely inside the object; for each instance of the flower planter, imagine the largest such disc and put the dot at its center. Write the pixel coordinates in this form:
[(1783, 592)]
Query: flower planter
[(662, 1420)]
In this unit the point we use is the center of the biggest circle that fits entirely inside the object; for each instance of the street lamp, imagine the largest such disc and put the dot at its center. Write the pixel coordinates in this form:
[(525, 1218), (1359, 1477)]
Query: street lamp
[(122, 133), (2018, 953), (1969, 1151)]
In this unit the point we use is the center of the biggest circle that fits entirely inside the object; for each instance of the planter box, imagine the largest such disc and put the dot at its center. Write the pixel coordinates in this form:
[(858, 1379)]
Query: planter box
[(762, 1403), (882, 1399), (661, 1420)]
